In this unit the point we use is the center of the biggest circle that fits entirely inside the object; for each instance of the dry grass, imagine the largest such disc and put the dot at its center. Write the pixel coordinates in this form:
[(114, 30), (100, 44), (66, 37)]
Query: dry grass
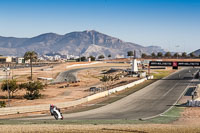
[(148, 128)]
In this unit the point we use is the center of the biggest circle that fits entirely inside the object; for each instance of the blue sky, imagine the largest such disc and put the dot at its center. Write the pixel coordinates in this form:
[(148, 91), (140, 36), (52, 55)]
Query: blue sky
[(172, 24)]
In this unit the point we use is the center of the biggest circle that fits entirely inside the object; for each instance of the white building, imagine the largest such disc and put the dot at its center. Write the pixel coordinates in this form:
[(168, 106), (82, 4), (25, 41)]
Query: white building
[(20, 60)]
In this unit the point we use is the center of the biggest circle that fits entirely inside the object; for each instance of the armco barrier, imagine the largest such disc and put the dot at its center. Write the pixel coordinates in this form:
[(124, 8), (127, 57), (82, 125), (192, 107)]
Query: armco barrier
[(72, 103), (126, 86), (24, 109), (98, 95), (42, 107)]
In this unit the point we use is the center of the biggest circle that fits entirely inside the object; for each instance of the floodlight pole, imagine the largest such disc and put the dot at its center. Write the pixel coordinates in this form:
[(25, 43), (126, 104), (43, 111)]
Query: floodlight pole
[(149, 70)]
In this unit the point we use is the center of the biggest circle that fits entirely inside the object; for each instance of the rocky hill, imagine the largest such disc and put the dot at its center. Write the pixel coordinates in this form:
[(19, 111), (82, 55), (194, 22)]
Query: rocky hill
[(75, 43), (197, 52)]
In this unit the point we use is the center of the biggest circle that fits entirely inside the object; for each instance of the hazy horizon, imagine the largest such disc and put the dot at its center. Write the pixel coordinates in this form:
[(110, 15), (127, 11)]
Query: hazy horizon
[(171, 24)]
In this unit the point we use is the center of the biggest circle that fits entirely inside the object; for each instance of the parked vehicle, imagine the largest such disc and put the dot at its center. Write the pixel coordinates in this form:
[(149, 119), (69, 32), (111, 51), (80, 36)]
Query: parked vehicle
[(95, 89), (56, 112)]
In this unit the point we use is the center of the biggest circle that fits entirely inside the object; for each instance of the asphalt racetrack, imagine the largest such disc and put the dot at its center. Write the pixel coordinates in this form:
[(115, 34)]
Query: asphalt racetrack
[(147, 102)]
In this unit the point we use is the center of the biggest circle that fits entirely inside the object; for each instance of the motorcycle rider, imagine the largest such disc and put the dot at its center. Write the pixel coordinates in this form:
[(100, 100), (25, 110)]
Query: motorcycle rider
[(53, 110)]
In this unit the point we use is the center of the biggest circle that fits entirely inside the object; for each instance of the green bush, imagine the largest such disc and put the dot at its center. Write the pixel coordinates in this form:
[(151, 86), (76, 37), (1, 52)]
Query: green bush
[(32, 89), (2, 104), (32, 96), (12, 86)]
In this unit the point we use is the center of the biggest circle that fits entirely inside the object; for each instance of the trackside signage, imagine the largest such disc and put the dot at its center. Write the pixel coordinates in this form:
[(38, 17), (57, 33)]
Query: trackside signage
[(173, 64), (188, 63), (160, 63)]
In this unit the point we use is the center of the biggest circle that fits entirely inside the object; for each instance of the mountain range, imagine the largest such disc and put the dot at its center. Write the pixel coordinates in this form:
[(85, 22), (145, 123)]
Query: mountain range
[(83, 43), (196, 52)]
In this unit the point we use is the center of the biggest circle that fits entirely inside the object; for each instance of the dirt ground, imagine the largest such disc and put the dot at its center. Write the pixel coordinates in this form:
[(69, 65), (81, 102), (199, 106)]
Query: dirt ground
[(190, 116), (117, 128), (58, 93), (189, 121)]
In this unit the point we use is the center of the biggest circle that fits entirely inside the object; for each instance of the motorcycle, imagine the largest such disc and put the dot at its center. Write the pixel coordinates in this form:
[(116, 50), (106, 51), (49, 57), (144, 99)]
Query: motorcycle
[(56, 112)]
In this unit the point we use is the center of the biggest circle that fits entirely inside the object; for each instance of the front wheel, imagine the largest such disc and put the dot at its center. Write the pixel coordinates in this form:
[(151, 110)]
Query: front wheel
[(61, 117), (55, 116)]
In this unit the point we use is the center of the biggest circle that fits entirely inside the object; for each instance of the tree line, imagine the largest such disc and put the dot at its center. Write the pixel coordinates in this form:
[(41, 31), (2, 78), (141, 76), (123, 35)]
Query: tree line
[(93, 58), (165, 55), (32, 88), (169, 55)]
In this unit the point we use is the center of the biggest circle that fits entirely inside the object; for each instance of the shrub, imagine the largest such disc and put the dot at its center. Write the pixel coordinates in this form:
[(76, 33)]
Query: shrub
[(92, 58), (2, 104), (12, 86), (32, 96), (32, 89)]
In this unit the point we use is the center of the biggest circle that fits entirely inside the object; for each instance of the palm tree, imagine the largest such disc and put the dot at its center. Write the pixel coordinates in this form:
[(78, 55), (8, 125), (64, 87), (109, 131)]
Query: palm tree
[(30, 55), (153, 55), (109, 56), (159, 54), (144, 55), (92, 58), (130, 53), (168, 54), (176, 55), (184, 55)]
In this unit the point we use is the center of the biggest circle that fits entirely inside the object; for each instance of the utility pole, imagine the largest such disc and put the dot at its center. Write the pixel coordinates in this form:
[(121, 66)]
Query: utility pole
[(12, 72), (52, 72), (6, 70)]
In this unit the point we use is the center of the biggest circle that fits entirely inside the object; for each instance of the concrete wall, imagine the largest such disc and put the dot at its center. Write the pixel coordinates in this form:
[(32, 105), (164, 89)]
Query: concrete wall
[(98, 95), (42, 107), (77, 65)]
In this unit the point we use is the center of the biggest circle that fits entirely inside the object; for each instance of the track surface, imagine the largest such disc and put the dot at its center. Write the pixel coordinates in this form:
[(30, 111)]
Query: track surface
[(150, 101), (68, 76), (71, 75)]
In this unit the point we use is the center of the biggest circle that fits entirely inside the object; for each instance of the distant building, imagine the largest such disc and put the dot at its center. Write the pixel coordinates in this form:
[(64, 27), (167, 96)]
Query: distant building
[(5, 59), (20, 60), (57, 57)]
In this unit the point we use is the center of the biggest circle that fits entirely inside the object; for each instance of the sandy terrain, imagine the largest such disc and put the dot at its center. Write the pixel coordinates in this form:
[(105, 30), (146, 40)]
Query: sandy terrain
[(188, 122), (57, 93), (190, 116), (117, 128)]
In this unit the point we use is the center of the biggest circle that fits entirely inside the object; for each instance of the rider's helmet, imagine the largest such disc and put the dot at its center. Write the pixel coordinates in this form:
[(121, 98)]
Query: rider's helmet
[(51, 105)]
